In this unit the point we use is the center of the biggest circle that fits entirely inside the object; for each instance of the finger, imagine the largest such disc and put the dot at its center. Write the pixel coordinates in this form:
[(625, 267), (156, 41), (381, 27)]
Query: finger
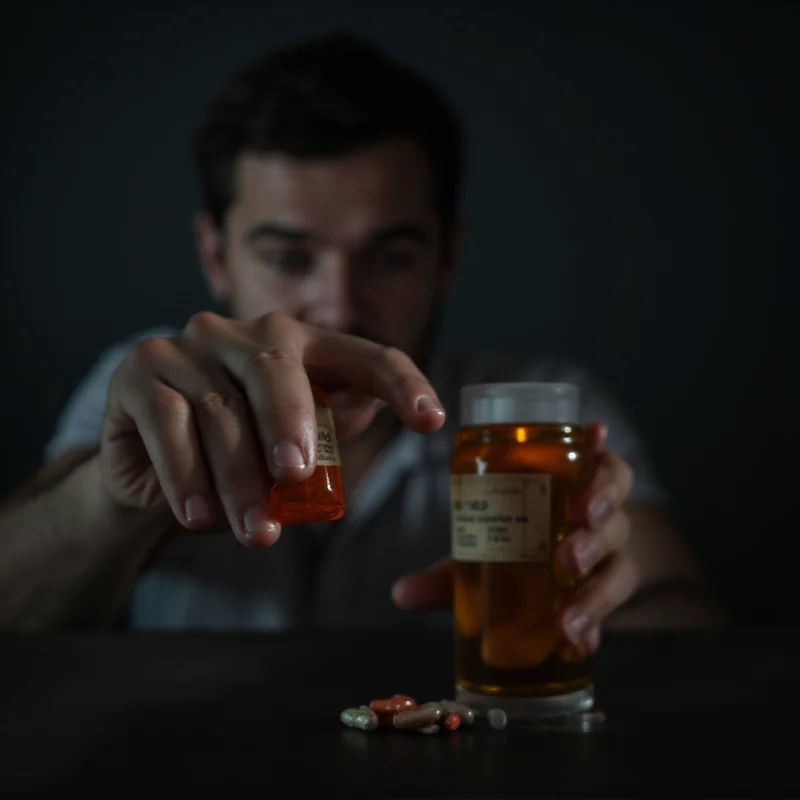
[(232, 456), (266, 361), (157, 421), (340, 360), (610, 486), (580, 552), (353, 412), (602, 594), (593, 639), (427, 589), (145, 413)]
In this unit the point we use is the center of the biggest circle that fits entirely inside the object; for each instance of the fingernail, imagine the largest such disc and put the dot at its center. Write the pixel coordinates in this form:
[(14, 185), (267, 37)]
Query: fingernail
[(196, 508), (586, 556), (399, 592), (426, 403), (599, 510), (576, 625), (288, 454), (256, 521)]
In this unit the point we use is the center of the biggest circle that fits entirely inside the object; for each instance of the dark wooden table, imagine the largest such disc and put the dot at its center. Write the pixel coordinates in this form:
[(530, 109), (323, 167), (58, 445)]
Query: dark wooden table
[(687, 714)]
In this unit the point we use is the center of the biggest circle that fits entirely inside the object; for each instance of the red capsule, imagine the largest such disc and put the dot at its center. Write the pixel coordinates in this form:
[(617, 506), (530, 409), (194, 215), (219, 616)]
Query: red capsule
[(393, 704), (452, 721)]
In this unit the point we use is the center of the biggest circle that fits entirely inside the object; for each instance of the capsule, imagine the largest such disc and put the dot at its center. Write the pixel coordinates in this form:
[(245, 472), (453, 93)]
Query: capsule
[(465, 713), (418, 717), (393, 704), (452, 721), (498, 719), (364, 719), (428, 729)]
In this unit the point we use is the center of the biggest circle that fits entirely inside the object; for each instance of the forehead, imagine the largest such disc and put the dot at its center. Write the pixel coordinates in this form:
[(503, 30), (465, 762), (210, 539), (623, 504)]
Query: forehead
[(384, 184)]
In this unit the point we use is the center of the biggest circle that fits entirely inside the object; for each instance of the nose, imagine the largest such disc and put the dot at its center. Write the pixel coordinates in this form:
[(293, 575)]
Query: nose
[(329, 302)]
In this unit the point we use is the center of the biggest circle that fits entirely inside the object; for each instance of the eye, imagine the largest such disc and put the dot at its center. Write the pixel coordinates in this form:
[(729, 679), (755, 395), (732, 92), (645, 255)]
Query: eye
[(394, 259), (293, 262)]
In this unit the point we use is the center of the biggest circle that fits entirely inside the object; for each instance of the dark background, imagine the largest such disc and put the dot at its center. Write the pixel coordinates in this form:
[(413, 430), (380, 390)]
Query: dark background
[(631, 181)]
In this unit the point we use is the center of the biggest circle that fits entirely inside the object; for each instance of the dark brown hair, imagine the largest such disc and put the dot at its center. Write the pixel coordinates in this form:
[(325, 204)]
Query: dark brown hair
[(326, 97)]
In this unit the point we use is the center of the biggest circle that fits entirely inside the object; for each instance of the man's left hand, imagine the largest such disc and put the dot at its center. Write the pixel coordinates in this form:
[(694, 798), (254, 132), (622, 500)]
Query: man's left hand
[(595, 553)]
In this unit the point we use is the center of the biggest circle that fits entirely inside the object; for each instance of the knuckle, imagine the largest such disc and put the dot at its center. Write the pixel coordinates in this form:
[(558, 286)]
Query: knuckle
[(392, 358), (167, 404), (214, 402), (396, 368), (202, 324), (266, 359), (148, 350), (275, 326)]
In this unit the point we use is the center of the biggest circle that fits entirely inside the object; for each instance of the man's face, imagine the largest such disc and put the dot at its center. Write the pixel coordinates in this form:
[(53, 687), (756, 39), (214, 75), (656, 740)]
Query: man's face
[(353, 243)]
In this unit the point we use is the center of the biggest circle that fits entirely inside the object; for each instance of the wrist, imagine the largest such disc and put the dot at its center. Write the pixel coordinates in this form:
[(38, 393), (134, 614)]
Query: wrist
[(154, 521)]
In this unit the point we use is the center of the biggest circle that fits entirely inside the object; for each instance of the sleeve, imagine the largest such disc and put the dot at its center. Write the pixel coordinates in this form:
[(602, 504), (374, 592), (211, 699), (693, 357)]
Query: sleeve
[(80, 422)]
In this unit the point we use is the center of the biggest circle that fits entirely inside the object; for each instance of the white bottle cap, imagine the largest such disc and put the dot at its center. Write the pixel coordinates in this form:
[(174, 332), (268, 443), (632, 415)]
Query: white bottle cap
[(520, 404)]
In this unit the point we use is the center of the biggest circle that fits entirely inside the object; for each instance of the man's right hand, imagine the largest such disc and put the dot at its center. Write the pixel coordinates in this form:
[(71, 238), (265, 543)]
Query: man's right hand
[(206, 421)]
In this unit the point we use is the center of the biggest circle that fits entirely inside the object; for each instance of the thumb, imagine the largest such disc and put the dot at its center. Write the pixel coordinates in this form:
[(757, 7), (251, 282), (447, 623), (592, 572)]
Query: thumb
[(429, 588)]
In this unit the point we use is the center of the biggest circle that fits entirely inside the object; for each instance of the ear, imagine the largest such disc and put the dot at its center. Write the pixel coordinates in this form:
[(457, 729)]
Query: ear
[(451, 253), (210, 245)]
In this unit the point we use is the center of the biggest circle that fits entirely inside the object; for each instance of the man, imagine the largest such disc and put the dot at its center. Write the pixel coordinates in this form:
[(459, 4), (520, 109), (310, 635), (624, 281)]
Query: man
[(330, 233)]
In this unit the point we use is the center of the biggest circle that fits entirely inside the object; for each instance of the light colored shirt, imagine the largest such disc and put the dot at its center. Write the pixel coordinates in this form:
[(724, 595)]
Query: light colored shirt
[(335, 574)]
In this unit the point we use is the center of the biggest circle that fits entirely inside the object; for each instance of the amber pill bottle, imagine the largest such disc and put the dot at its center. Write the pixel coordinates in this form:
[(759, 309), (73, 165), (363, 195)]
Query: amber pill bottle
[(518, 470), (321, 497)]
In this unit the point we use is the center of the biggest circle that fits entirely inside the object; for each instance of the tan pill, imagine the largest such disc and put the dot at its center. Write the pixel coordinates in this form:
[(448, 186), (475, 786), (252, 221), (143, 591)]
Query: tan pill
[(428, 729), (418, 717)]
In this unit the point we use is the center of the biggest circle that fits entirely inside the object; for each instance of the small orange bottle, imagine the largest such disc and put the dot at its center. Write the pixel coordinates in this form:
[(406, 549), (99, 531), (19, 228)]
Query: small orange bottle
[(321, 497)]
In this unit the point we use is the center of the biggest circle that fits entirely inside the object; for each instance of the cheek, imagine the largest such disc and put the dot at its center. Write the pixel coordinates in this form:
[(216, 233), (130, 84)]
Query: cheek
[(403, 296), (405, 307), (256, 294)]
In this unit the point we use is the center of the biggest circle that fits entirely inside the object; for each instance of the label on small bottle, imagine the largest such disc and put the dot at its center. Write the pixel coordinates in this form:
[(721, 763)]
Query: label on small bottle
[(501, 517), (327, 448)]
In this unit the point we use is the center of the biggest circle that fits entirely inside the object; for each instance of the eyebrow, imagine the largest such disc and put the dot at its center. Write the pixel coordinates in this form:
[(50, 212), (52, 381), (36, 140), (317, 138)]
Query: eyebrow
[(277, 230)]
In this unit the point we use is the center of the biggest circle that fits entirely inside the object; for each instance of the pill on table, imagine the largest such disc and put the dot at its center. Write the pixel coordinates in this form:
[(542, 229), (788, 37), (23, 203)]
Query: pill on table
[(363, 718), (497, 719), (428, 729), (417, 717), (452, 721), (465, 713), (393, 704), (403, 701)]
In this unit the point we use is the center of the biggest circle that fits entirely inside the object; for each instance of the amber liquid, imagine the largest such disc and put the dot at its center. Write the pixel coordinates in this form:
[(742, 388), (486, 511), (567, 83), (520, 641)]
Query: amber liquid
[(319, 499), (505, 612)]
